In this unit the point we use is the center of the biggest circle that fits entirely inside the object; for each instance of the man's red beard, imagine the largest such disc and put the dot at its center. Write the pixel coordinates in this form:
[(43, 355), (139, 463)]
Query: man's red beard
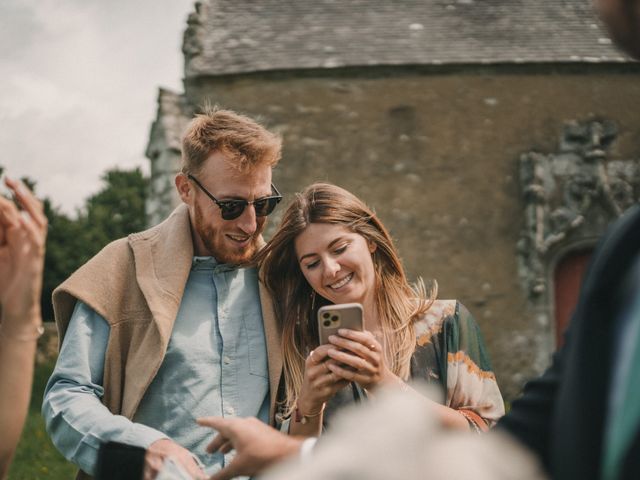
[(215, 243)]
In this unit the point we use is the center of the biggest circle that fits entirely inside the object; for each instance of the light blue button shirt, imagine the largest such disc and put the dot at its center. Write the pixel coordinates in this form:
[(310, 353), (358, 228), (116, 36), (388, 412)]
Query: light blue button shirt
[(215, 364)]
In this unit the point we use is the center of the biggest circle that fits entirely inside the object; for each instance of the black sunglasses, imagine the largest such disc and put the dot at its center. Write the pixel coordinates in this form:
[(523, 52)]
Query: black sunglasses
[(232, 209)]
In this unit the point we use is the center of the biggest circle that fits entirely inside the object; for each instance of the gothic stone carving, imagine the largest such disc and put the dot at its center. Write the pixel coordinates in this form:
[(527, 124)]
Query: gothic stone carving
[(570, 196), (191, 45)]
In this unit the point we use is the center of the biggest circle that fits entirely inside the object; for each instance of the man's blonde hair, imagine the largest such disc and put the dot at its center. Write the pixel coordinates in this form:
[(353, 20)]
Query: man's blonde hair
[(244, 141)]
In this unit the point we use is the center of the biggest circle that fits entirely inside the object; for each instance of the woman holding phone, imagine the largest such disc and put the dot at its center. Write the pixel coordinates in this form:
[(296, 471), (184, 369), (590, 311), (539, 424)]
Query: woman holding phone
[(332, 249)]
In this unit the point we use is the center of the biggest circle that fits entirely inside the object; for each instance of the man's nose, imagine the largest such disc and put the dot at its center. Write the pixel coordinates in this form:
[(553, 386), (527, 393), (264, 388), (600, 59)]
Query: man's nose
[(248, 222)]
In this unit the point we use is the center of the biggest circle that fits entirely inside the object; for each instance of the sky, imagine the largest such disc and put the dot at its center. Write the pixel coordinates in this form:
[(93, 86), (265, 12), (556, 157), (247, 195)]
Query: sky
[(79, 82)]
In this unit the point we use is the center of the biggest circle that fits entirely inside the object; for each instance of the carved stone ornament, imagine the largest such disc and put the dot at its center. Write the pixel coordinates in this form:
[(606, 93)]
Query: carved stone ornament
[(191, 44), (569, 199)]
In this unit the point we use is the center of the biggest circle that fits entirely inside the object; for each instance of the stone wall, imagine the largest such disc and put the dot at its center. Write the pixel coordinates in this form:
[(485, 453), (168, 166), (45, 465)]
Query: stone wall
[(436, 153)]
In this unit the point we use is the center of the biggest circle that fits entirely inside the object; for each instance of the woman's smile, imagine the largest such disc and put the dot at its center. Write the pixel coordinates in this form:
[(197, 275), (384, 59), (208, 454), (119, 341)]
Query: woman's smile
[(337, 263), (342, 282)]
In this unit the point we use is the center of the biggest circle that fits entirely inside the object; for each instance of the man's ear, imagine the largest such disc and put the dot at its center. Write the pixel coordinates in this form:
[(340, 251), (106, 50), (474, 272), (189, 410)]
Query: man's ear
[(184, 187)]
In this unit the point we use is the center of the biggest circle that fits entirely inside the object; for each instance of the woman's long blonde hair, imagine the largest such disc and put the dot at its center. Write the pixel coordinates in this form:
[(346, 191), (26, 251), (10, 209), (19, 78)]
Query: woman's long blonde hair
[(398, 303)]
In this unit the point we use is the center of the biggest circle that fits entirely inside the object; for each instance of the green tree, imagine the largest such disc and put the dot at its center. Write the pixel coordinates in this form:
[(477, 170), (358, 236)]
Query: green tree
[(66, 251), (118, 209), (115, 211)]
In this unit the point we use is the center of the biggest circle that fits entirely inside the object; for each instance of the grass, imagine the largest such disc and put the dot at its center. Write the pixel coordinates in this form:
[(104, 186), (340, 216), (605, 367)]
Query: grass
[(36, 457)]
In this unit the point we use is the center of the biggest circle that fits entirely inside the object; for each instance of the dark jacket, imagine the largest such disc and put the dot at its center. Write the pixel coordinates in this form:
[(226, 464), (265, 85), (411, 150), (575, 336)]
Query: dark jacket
[(561, 415)]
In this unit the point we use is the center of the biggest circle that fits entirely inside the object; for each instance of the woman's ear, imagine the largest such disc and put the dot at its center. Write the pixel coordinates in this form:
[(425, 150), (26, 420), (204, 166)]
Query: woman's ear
[(372, 245)]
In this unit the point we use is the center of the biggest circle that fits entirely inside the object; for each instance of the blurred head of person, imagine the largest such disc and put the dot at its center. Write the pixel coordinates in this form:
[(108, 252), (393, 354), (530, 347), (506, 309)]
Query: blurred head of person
[(622, 18)]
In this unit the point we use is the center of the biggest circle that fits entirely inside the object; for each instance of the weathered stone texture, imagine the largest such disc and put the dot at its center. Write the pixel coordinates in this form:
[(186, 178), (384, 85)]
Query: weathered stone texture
[(437, 155)]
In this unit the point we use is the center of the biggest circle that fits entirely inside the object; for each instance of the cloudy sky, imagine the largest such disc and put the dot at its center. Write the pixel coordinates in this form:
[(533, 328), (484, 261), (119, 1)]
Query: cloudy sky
[(78, 87)]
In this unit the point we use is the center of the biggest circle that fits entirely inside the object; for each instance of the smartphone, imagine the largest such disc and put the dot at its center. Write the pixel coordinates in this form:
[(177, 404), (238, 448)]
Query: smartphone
[(331, 318)]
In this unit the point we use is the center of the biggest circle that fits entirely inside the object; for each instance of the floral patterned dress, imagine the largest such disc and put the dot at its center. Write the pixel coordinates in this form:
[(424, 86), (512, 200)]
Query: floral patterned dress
[(450, 353)]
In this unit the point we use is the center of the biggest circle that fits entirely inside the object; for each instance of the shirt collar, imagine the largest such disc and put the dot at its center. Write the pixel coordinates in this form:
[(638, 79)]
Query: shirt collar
[(210, 263)]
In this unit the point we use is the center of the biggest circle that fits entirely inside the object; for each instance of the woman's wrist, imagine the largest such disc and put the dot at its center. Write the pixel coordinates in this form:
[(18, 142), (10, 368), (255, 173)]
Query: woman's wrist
[(19, 317), (23, 334), (22, 327), (20, 309), (388, 379), (302, 416), (309, 408)]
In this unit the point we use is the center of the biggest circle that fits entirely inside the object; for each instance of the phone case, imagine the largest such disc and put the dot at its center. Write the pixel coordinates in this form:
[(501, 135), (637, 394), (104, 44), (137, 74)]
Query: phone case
[(331, 318)]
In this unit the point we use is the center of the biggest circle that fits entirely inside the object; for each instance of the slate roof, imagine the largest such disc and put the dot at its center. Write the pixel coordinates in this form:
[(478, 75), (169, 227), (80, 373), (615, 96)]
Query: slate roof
[(240, 36)]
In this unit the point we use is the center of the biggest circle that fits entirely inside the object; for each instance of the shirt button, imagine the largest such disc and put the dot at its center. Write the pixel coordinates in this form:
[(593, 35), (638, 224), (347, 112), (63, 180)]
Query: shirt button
[(226, 360), (229, 411)]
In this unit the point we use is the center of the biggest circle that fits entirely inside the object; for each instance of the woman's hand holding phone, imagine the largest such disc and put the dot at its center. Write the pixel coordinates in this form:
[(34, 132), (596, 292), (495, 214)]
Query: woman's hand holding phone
[(319, 383), (358, 357)]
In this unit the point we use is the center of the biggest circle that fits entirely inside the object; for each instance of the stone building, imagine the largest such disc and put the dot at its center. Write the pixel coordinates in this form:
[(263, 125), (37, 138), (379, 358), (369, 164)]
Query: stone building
[(496, 139)]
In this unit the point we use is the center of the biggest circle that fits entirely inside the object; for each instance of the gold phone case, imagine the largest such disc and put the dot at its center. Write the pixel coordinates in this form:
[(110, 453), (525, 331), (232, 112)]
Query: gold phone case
[(331, 318)]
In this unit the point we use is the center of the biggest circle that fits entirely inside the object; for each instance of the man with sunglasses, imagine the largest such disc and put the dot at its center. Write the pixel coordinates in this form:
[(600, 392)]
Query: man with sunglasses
[(171, 324)]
